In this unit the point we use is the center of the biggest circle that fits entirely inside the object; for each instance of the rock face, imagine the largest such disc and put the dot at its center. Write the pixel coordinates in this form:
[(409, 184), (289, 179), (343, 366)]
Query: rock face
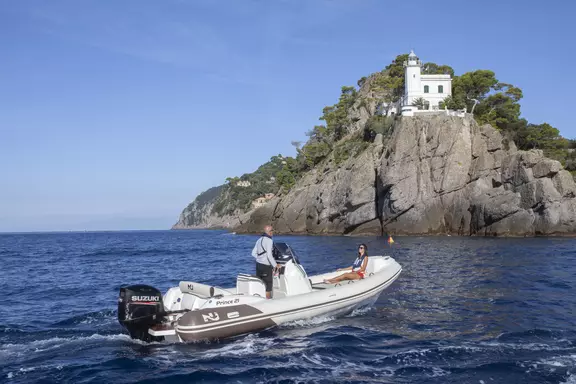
[(435, 174), (204, 219), (198, 214)]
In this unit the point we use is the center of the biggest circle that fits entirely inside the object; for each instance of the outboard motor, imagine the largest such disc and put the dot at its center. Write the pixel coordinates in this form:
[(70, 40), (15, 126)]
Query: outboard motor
[(139, 308)]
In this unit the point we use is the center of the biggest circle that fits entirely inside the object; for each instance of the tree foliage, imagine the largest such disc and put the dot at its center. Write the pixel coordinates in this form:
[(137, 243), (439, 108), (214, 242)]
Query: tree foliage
[(435, 69), (498, 104), (323, 137), (314, 153), (419, 102), (538, 136), (263, 180), (287, 176), (391, 80), (336, 116), (379, 124), (348, 148)]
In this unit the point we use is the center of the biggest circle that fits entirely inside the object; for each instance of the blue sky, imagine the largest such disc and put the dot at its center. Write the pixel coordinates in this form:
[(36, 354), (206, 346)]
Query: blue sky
[(116, 114)]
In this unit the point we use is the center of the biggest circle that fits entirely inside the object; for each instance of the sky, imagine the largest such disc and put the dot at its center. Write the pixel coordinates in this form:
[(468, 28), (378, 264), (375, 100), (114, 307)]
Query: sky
[(115, 114)]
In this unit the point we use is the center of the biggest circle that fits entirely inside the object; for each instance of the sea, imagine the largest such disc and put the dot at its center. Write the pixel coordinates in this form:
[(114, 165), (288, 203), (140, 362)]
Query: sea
[(464, 310)]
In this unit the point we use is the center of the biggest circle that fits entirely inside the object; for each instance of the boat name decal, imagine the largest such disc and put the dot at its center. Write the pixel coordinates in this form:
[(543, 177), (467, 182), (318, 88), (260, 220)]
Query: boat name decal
[(145, 298), (212, 316), (226, 302)]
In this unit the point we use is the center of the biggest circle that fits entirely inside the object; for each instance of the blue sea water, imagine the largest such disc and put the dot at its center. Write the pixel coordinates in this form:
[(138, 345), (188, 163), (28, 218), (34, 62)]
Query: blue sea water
[(464, 310)]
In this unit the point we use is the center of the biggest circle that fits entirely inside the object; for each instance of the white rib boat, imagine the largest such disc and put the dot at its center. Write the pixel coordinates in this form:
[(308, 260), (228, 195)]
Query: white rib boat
[(193, 311)]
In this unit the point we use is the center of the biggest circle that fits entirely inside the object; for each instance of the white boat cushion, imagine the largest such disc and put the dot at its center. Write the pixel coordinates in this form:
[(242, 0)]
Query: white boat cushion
[(202, 290), (375, 264)]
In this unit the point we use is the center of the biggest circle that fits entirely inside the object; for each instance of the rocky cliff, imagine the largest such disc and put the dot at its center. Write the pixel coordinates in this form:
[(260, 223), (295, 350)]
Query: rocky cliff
[(433, 174), (199, 213)]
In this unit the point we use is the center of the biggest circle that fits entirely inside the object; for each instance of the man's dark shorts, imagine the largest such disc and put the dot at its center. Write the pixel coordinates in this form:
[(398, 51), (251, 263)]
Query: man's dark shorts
[(266, 273)]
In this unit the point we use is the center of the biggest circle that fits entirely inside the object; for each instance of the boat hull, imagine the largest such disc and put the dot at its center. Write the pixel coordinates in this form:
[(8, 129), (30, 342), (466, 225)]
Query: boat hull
[(225, 318)]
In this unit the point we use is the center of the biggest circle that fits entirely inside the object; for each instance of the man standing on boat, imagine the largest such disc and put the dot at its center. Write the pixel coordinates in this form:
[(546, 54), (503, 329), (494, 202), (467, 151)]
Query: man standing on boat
[(265, 263)]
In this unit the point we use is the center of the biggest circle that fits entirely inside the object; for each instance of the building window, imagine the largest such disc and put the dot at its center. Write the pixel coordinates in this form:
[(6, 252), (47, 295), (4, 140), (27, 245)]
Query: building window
[(440, 89), (426, 89)]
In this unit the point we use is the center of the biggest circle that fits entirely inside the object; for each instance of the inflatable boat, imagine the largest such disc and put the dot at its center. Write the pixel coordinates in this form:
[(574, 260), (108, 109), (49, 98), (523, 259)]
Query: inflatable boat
[(194, 311)]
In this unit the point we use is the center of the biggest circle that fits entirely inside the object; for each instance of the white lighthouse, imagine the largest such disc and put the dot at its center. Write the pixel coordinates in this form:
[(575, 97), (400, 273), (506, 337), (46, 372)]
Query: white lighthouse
[(432, 88), (412, 79)]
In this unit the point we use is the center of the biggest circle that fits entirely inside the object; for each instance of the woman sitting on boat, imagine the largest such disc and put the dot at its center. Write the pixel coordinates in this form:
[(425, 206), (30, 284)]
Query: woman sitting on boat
[(357, 269)]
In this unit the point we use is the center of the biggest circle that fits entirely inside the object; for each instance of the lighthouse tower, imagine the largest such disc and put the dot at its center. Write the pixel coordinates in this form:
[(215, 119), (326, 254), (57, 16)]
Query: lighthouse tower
[(432, 88), (412, 79)]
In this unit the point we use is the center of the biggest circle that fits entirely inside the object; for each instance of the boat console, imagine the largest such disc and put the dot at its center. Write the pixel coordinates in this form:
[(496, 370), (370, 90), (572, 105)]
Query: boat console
[(283, 253), (291, 279)]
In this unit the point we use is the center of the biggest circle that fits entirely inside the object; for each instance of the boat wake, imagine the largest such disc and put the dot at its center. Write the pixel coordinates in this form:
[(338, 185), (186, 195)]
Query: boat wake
[(307, 322), (315, 348), (98, 319), (37, 346), (249, 345)]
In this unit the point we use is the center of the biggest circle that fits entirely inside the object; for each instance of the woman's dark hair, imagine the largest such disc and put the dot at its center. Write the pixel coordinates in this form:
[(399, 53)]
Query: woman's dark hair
[(365, 249)]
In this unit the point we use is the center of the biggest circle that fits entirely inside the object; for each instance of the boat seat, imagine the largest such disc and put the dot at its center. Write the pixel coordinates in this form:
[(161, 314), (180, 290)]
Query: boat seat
[(250, 285), (247, 275), (375, 264)]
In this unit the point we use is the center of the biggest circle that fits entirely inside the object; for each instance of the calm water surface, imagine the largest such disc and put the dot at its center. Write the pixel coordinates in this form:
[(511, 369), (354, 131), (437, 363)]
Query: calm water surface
[(464, 310)]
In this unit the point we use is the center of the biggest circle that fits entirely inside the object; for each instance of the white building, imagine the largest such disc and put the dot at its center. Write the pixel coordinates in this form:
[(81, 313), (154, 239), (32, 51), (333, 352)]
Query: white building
[(262, 200), (243, 183), (432, 88)]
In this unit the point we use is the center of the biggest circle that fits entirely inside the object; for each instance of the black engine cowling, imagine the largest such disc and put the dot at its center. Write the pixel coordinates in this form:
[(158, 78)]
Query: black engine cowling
[(139, 308)]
